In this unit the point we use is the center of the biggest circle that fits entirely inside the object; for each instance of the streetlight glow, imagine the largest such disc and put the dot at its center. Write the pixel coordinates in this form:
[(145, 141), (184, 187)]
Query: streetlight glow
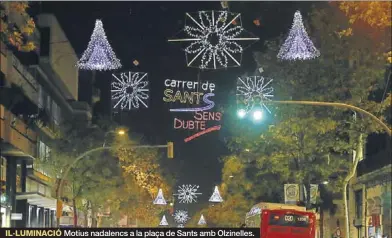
[(241, 113), (121, 132), (257, 115)]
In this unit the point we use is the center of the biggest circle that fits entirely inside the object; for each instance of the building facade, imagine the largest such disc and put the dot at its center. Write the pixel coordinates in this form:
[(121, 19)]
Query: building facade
[(38, 96)]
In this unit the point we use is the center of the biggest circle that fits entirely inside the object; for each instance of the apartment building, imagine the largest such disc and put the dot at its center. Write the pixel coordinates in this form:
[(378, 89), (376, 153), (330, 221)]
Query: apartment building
[(370, 196), (37, 97)]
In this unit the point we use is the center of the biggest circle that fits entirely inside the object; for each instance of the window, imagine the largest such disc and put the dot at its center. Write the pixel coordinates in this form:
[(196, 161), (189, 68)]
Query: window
[(43, 155), (56, 113), (43, 151), (3, 169), (358, 203), (41, 98)]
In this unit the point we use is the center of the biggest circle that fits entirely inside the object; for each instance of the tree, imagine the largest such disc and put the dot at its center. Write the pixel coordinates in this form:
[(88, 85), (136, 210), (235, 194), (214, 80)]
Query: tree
[(309, 144), (144, 175), (377, 15), (92, 178), (230, 213), (16, 35)]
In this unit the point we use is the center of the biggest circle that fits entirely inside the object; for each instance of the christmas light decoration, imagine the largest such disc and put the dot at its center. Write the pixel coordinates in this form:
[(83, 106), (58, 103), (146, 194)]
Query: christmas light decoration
[(210, 105), (298, 45), (253, 90), (216, 197), (215, 35), (187, 193), (129, 89), (202, 221), (163, 221), (214, 128), (256, 210), (181, 216), (99, 54), (160, 200)]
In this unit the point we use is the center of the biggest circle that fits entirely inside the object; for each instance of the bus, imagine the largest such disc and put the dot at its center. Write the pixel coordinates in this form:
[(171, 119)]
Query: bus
[(282, 223), (253, 217)]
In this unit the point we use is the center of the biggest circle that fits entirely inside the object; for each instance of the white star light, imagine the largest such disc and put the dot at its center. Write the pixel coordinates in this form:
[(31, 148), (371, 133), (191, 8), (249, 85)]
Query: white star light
[(214, 36), (181, 216), (187, 193), (129, 89), (253, 90)]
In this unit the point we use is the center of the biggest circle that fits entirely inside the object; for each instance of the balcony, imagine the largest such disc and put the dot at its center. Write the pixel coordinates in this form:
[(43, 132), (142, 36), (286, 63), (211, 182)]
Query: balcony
[(17, 138), (16, 73)]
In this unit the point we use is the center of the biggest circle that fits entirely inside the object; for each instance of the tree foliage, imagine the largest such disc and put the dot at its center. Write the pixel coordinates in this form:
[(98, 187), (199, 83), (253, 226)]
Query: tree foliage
[(304, 144), (142, 176), (10, 32), (375, 14)]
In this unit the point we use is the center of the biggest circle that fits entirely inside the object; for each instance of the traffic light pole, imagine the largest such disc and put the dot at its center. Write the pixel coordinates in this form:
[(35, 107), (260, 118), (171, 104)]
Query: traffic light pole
[(339, 105), (59, 192)]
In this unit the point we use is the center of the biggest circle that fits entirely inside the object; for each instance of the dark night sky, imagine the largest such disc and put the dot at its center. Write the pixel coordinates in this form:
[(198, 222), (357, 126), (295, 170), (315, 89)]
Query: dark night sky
[(139, 30)]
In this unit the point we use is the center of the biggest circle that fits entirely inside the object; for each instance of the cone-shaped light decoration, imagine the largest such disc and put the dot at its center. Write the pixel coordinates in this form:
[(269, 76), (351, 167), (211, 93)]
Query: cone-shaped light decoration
[(99, 54), (164, 221), (202, 221), (216, 197), (160, 200), (298, 45)]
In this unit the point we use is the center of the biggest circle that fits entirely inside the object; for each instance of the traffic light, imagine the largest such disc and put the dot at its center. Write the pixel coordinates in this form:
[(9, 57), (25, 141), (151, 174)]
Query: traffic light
[(170, 150)]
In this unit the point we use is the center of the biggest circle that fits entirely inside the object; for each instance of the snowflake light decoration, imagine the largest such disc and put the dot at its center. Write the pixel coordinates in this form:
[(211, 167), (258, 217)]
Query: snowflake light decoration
[(215, 35), (298, 45), (129, 89), (253, 90), (187, 193), (181, 216), (99, 54)]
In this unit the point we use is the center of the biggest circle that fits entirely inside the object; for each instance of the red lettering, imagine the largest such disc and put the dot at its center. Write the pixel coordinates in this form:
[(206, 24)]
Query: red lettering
[(218, 116), (198, 116), (191, 125), (175, 123)]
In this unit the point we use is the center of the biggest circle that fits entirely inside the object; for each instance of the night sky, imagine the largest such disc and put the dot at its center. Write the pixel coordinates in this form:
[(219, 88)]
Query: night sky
[(139, 31)]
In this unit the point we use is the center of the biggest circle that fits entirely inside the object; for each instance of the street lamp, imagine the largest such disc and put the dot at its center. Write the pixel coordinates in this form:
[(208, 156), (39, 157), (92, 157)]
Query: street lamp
[(257, 115), (241, 113), (120, 132)]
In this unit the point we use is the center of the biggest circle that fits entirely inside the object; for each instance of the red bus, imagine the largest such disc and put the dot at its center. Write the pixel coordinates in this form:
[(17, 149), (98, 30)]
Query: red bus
[(287, 224)]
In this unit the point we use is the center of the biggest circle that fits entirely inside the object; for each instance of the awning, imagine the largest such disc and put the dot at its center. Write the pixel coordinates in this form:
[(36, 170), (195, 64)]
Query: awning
[(38, 199)]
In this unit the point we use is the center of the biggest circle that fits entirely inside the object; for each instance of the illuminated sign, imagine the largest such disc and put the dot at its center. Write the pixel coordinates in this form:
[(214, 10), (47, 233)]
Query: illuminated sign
[(187, 92)]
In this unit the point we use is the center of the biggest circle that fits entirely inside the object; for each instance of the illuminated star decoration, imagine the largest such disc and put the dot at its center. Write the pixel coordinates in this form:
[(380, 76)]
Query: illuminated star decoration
[(129, 89), (187, 193), (298, 45), (99, 54), (253, 90), (181, 216), (214, 37)]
